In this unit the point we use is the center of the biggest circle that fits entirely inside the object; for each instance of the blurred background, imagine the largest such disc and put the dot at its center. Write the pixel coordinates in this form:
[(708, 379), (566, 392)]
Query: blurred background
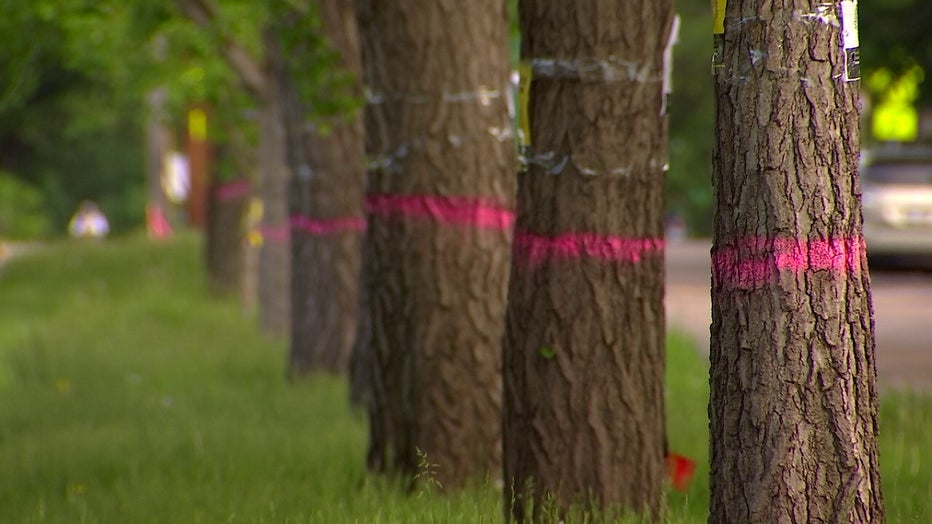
[(83, 84), (130, 109)]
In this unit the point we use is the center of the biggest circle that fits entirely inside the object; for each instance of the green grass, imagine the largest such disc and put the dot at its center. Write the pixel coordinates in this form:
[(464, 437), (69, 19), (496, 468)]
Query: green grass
[(126, 395)]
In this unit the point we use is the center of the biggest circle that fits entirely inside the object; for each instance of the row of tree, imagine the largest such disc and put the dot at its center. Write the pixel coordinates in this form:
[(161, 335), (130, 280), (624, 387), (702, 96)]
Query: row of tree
[(583, 405), (793, 408), (73, 74), (563, 263)]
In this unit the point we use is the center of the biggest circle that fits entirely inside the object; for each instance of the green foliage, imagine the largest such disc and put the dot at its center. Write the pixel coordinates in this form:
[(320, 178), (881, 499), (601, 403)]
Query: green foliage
[(71, 129), (514, 32), (195, 69), (325, 89), (23, 59), (22, 210), (691, 110), (79, 68), (894, 36)]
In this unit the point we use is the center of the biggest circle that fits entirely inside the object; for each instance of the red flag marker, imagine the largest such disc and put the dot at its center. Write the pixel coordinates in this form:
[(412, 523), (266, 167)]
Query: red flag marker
[(680, 470)]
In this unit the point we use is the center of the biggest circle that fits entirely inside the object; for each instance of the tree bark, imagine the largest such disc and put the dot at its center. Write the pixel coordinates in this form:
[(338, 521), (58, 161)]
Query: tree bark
[(273, 265), (326, 204), (229, 200), (584, 347), (440, 203), (793, 403), (275, 252), (225, 239)]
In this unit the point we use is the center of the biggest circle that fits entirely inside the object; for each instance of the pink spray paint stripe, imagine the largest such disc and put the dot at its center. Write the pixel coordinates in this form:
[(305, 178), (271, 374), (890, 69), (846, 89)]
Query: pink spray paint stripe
[(754, 262), (279, 233), (459, 211), (534, 249), (233, 190), (327, 226)]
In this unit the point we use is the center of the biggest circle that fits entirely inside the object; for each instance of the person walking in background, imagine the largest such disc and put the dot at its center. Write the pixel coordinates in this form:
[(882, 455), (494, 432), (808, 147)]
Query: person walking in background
[(89, 222)]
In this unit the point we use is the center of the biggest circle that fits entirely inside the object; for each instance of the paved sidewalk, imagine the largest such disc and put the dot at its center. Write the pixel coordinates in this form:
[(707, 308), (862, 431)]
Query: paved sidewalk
[(688, 278)]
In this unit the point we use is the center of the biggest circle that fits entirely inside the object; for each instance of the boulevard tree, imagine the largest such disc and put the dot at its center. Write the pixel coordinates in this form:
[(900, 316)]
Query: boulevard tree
[(229, 197), (312, 180), (257, 77), (793, 405), (326, 154), (440, 210), (584, 349)]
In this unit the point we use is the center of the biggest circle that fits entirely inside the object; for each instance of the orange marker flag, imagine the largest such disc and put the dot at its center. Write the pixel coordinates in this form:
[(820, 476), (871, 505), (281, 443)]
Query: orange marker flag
[(680, 470)]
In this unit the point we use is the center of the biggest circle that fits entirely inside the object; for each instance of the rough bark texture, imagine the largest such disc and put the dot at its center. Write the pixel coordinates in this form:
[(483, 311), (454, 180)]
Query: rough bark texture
[(584, 365), (326, 203), (793, 390), (437, 276), (275, 252), (225, 244)]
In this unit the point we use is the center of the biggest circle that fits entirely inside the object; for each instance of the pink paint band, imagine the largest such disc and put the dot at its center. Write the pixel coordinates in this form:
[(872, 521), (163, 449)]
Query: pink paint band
[(460, 211), (534, 249), (755, 262), (233, 190), (327, 226)]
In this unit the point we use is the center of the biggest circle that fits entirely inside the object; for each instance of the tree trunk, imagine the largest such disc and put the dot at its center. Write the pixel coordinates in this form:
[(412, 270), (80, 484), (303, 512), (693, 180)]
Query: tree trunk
[(225, 242), (362, 360), (158, 143), (584, 348), (229, 201), (440, 203), (274, 254), (199, 165), (326, 203), (273, 264), (793, 403)]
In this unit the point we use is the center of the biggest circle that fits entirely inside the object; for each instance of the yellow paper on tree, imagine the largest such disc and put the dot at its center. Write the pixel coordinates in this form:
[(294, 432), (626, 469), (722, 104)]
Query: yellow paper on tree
[(718, 17), (197, 124), (524, 96)]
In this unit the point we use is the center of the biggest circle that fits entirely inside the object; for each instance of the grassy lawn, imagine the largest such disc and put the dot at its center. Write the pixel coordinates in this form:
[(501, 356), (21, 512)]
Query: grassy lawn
[(126, 395)]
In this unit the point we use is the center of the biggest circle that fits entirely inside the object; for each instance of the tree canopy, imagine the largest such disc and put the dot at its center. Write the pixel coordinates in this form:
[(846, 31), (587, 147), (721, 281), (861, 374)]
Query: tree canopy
[(74, 74)]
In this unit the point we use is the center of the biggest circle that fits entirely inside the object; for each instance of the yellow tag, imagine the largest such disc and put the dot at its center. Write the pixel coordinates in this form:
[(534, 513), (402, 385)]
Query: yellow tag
[(718, 17), (197, 124), (253, 215), (895, 122), (524, 96)]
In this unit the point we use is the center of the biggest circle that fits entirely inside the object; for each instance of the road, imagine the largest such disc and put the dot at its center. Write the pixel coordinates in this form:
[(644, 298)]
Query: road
[(902, 314)]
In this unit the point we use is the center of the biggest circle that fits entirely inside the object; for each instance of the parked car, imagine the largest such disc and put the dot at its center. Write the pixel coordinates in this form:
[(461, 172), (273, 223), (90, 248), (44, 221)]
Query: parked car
[(897, 202)]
